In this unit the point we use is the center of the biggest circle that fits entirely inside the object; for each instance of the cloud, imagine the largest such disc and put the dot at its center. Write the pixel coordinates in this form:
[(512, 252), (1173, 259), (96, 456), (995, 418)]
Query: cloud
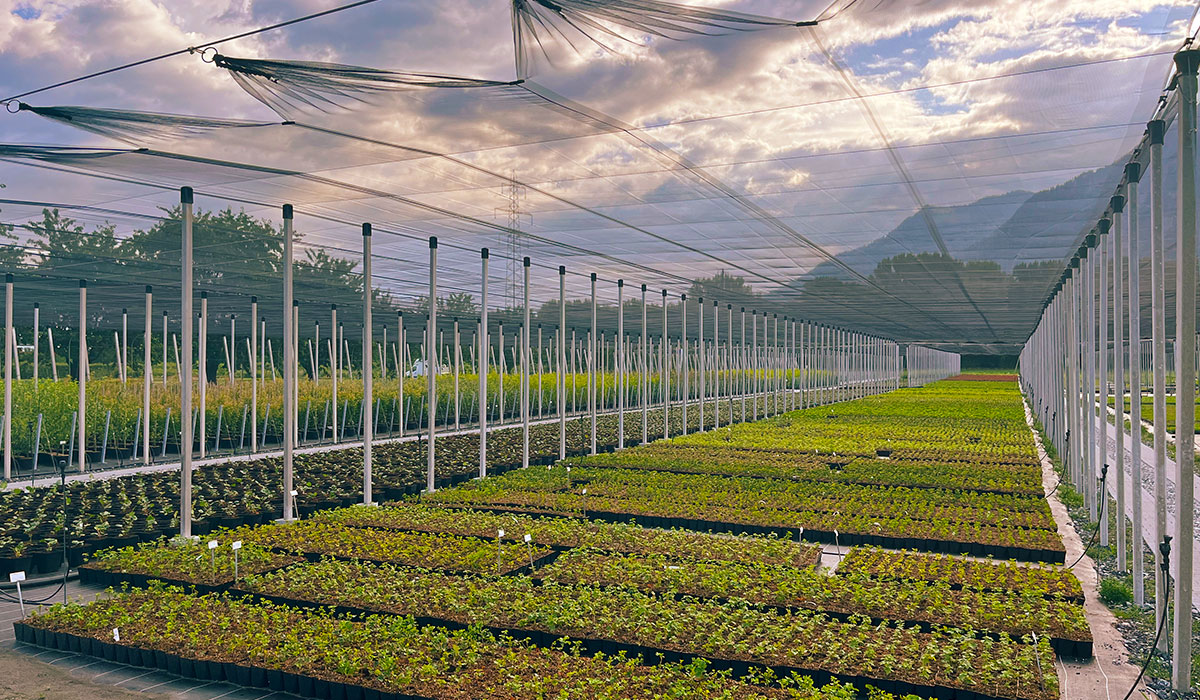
[(764, 112)]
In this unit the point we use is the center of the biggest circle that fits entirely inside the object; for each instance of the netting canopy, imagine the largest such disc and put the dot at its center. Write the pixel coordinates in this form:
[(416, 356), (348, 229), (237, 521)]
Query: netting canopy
[(922, 171)]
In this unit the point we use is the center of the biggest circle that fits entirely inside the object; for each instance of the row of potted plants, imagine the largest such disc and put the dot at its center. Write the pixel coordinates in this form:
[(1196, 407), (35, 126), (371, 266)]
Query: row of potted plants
[(961, 572), (730, 630), (822, 468), (849, 593), (101, 513), (565, 533), (311, 653)]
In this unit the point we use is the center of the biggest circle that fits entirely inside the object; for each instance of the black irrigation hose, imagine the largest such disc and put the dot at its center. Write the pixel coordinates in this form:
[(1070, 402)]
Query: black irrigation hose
[(1100, 517), (1165, 548), (5, 595)]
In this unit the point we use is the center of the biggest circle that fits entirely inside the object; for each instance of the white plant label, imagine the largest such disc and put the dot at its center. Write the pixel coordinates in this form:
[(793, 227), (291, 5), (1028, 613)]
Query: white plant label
[(500, 533), (236, 545), (16, 576), (295, 492), (116, 634), (212, 544), (528, 538)]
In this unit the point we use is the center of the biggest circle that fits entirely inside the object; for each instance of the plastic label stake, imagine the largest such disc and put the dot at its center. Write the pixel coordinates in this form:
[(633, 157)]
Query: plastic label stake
[(529, 548), (237, 545), (499, 544), (116, 634), (17, 577)]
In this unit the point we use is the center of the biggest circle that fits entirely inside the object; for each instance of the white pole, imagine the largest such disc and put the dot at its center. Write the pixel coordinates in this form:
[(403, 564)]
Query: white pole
[(562, 361), (37, 339), (232, 347), (1102, 246), (1118, 337), (9, 350), (701, 367), (525, 372), (335, 369), (124, 344), (1156, 131), (665, 371), (1132, 175), (592, 359), (203, 362), (367, 375), (619, 359), (684, 365), (289, 361), (1187, 63), (485, 348), (185, 381), (645, 390), (431, 365), (147, 375)]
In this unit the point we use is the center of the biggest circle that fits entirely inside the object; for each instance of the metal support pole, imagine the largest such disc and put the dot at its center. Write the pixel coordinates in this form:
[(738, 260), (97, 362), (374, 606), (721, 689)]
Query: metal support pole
[(525, 358), (1156, 131), (562, 362), (1186, 63), (368, 370), (683, 343), (665, 371), (9, 350), (289, 361), (147, 375), (645, 390), (700, 356), (592, 359), (1132, 175), (431, 367), (1102, 369), (1117, 204), (485, 347), (253, 374), (619, 361), (203, 373), (185, 388)]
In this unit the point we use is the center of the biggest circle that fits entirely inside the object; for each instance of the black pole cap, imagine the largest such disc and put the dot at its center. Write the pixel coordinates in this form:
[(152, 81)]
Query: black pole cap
[(593, 276), (1117, 203), (185, 195), (432, 242), (287, 211), (1156, 130), (525, 262), (620, 283), (1133, 171), (83, 285), (562, 270), (203, 295), (643, 289), (124, 311), (664, 294), (253, 300), (483, 253), (1104, 225), (366, 229), (1187, 61)]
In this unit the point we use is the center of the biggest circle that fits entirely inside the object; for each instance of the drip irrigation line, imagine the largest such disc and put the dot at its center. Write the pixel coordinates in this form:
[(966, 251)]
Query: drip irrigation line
[(198, 48), (1165, 549), (1099, 518)]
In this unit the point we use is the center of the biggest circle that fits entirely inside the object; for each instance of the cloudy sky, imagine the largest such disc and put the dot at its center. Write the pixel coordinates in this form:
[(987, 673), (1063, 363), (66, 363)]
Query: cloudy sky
[(960, 100)]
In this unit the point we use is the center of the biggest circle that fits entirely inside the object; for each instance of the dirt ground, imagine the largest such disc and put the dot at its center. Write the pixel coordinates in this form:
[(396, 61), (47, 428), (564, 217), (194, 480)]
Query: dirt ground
[(25, 678)]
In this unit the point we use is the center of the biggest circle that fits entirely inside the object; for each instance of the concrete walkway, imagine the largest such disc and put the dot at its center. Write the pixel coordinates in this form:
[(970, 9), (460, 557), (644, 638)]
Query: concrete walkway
[(1146, 493)]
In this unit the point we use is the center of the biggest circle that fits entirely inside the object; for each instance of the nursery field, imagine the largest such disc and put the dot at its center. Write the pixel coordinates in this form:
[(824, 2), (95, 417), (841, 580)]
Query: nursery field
[(688, 568)]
